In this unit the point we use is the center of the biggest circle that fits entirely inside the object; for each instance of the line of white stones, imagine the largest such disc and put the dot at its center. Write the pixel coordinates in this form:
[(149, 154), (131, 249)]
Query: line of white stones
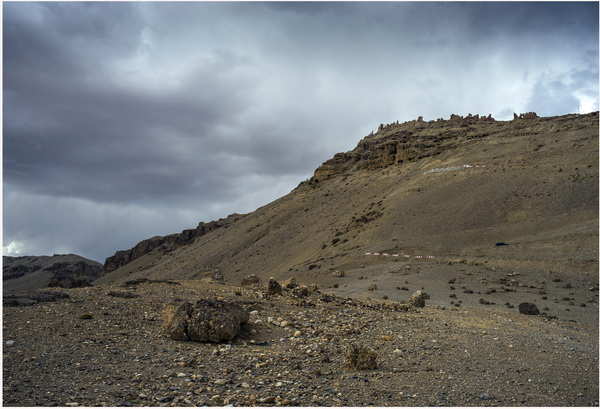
[(396, 255), (452, 168)]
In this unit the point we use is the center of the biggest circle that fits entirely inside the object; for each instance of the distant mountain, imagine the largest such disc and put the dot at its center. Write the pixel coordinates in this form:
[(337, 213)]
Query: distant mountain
[(60, 270), (448, 189)]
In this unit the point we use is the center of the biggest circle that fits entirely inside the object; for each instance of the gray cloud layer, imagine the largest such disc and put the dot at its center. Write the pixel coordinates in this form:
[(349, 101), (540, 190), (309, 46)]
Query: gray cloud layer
[(127, 120)]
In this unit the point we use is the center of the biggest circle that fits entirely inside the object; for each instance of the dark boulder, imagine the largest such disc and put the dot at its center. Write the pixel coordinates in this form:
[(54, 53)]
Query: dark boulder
[(206, 321), (528, 308)]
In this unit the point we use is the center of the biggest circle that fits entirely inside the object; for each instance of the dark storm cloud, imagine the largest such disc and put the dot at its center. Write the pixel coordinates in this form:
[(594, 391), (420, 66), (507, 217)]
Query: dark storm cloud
[(146, 118), (78, 133)]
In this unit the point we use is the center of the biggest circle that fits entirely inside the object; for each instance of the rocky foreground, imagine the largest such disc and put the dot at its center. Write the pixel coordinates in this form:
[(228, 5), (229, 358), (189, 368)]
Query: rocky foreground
[(106, 346)]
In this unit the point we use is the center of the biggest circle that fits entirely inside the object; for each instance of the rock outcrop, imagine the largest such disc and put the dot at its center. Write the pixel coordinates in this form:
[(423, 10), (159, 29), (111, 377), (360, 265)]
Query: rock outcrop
[(395, 144), (164, 243)]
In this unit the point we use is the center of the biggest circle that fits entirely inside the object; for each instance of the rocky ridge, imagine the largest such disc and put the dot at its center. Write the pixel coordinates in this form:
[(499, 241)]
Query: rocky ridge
[(164, 244)]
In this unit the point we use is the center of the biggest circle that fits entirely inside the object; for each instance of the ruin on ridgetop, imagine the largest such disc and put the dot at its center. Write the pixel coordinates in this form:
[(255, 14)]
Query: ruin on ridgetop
[(527, 115)]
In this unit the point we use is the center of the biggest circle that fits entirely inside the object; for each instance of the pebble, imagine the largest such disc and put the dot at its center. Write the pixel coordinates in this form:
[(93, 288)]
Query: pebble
[(269, 399), (221, 382), (10, 343), (298, 333)]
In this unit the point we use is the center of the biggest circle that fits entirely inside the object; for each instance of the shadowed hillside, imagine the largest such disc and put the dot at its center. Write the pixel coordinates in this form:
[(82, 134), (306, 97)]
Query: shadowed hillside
[(60, 270), (446, 190)]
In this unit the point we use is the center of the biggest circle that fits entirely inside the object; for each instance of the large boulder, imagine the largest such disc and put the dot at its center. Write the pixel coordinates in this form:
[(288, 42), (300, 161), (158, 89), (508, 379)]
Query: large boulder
[(206, 321)]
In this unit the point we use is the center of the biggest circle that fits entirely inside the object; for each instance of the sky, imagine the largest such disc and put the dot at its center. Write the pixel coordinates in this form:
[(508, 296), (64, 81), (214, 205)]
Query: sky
[(123, 121)]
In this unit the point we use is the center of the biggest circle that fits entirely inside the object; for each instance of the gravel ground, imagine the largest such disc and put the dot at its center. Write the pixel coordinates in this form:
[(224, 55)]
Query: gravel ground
[(104, 346)]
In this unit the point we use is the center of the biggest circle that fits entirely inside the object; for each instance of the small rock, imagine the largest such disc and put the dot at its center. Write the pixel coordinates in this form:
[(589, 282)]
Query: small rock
[(301, 291), (417, 300), (486, 396), (528, 309), (290, 283), (274, 287), (269, 399), (298, 333), (250, 280), (10, 343), (221, 382), (361, 358)]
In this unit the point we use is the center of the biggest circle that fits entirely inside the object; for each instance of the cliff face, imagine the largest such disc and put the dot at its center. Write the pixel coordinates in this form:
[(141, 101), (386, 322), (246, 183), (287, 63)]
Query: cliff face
[(164, 244)]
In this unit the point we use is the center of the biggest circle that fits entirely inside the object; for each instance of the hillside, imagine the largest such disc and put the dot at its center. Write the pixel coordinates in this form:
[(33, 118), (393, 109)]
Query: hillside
[(480, 215), (61, 270), (445, 190)]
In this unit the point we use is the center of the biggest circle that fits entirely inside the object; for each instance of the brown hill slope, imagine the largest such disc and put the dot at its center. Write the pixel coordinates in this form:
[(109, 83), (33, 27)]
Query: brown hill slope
[(60, 270), (449, 190)]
